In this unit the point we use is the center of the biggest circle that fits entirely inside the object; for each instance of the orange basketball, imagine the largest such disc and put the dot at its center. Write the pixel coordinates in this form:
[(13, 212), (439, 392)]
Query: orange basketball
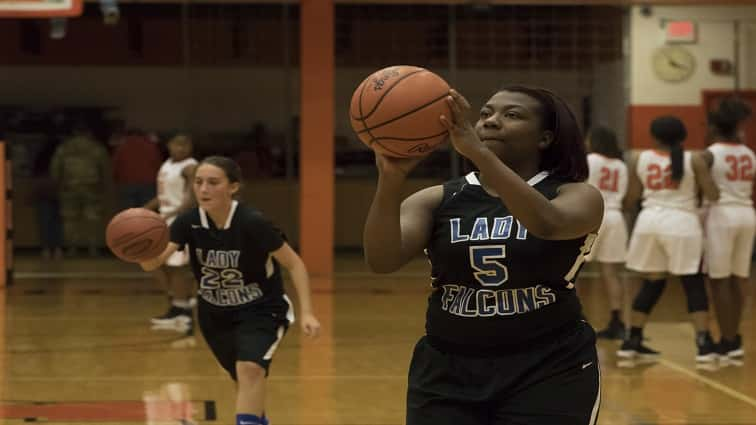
[(396, 111), (137, 234)]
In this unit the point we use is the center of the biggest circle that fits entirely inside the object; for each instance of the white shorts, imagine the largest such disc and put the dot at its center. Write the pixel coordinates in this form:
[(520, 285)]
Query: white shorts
[(666, 240), (611, 243), (178, 258), (730, 231)]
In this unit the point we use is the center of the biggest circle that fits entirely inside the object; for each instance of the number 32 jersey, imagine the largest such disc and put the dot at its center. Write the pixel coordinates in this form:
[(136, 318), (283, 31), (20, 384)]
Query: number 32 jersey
[(233, 264), (494, 283), (733, 171)]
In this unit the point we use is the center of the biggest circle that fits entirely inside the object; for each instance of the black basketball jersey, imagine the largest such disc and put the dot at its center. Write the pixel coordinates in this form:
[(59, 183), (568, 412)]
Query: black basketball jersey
[(494, 283), (232, 264)]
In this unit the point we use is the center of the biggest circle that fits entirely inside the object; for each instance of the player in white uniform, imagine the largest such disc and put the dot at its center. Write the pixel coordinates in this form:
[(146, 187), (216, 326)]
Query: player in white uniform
[(730, 223), (667, 237), (608, 173), (174, 195)]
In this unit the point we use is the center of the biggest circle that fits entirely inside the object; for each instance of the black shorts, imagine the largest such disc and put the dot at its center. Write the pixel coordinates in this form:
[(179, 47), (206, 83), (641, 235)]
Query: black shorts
[(248, 334), (552, 383)]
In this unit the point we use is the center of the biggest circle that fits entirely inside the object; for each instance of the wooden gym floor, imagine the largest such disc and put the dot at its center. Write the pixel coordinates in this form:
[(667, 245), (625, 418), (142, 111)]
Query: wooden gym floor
[(76, 348)]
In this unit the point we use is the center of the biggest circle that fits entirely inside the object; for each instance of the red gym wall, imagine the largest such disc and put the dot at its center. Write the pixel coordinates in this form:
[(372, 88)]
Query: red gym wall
[(639, 119), (722, 33)]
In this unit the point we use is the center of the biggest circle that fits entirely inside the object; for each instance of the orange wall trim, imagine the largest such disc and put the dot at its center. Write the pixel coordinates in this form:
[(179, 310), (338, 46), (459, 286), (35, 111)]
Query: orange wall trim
[(4, 217), (316, 208), (640, 117)]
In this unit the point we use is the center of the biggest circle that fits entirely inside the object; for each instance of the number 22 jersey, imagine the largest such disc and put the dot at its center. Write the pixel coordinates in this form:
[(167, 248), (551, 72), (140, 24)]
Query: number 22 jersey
[(233, 263), (495, 284)]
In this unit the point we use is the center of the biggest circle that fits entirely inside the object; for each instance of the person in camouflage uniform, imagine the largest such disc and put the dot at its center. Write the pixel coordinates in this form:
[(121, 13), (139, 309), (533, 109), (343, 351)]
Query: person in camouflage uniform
[(81, 167)]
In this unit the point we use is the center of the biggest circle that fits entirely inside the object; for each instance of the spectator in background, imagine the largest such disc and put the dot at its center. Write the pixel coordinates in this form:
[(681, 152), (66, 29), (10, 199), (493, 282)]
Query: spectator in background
[(136, 161), (44, 196), (174, 196), (81, 169)]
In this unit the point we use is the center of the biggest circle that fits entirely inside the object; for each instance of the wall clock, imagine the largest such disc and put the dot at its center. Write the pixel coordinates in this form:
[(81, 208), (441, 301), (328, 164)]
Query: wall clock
[(673, 63)]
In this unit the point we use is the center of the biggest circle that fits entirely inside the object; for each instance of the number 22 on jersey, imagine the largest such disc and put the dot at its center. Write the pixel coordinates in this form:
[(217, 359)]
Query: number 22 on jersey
[(658, 178)]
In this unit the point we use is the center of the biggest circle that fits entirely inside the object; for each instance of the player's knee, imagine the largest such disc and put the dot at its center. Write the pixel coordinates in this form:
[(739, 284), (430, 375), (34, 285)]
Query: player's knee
[(649, 295), (249, 371), (695, 291)]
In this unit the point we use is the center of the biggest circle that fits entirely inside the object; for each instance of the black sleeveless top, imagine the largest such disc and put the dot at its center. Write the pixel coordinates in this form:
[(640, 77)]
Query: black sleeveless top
[(496, 285), (233, 263)]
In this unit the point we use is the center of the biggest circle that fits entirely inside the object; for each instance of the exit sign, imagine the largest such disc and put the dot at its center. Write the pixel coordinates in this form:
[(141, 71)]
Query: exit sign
[(680, 32)]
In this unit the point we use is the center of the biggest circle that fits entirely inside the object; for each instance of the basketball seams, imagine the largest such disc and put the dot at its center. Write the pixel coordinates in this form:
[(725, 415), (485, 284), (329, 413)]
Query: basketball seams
[(404, 115), (159, 223), (151, 234), (395, 136), (359, 105), (363, 118), (127, 237), (383, 143), (416, 139), (397, 154), (378, 102)]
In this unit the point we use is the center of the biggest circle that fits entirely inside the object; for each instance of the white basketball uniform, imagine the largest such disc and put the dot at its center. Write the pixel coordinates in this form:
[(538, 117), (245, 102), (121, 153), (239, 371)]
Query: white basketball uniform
[(667, 236), (731, 224), (171, 190), (609, 176)]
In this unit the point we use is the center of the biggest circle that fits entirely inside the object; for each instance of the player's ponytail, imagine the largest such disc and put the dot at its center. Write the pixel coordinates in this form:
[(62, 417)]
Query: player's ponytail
[(671, 132), (676, 157)]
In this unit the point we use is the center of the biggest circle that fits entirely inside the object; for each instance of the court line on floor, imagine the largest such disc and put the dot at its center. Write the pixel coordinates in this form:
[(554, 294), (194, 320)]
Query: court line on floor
[(709, 382)]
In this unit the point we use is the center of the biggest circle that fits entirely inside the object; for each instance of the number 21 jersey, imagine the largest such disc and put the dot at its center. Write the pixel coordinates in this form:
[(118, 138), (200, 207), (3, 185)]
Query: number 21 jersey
[(609, 176)]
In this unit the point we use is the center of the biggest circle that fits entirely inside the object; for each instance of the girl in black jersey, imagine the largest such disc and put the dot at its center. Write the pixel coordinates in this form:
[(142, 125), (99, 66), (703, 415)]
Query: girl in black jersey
[(505, 342), (243, 311)]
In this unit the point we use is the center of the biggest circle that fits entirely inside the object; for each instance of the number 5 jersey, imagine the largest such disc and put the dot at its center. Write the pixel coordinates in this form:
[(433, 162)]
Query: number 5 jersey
[(495, 284)]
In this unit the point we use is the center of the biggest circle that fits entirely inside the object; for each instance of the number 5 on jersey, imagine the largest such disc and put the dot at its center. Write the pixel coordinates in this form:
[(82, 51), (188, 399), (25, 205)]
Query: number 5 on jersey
[(486, 261)]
